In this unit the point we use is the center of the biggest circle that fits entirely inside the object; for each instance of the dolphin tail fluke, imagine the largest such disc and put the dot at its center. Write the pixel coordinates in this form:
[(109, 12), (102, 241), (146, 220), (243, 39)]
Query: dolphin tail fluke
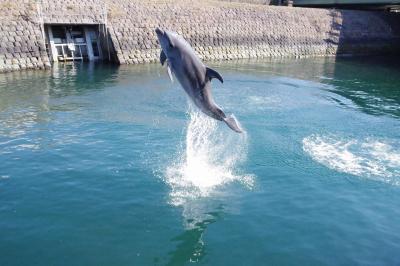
[(233, 124)]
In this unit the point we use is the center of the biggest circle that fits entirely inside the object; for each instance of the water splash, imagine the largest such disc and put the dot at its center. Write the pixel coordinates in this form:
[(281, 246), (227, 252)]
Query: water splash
[(371, 158), (209, 158)]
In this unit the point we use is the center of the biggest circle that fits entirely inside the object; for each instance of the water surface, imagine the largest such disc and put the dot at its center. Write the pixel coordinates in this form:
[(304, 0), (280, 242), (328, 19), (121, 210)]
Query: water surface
[(106, 165)]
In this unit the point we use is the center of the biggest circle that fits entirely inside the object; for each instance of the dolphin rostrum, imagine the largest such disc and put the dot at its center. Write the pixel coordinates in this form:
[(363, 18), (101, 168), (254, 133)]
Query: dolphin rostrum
[(192, 74)]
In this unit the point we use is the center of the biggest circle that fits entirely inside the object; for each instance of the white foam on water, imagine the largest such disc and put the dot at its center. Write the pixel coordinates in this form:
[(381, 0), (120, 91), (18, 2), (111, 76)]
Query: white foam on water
[(370, 158), (209, 158)]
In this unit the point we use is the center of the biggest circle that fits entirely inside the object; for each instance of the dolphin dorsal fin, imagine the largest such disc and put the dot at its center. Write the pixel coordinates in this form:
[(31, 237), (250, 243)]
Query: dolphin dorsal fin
[(163, 57), (211, 73)]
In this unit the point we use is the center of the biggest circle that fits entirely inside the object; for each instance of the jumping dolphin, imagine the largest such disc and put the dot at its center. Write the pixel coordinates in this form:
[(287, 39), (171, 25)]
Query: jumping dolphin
[(192, 74)]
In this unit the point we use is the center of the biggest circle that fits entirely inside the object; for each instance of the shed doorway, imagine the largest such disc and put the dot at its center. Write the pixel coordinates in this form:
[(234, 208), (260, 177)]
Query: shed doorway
[(74, 42)]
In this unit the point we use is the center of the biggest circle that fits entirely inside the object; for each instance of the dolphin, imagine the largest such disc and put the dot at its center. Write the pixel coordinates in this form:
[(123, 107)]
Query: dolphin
[(192, 74)]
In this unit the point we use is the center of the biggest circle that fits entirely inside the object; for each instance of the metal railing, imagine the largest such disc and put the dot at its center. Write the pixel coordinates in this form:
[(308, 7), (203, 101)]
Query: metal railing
[(71, 51)]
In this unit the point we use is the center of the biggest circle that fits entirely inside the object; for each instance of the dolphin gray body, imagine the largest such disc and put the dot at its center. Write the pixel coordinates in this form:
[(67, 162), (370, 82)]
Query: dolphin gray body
[(192, 74)]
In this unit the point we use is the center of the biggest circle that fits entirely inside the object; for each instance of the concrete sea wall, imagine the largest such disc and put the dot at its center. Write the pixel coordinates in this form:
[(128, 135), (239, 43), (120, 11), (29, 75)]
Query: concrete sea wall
[(216, 29)]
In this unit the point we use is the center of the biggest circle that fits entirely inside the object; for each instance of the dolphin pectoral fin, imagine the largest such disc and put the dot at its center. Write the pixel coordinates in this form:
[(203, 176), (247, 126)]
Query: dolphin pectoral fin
[(170, 73), (163, 57), (233, 124), (211, 73)]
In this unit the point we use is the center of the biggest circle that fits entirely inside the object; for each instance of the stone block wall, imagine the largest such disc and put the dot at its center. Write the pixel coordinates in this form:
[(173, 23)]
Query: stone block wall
[(216, 29), (21, 40), (257, 2), (74, 11), (230, 30)]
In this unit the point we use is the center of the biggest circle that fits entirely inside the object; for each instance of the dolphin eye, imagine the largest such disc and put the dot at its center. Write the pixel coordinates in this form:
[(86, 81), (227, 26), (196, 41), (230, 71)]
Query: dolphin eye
[(171, 46)]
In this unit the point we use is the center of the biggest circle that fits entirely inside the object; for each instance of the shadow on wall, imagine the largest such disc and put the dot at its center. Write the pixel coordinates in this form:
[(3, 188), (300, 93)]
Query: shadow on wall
[(363, 32), (107, 45)]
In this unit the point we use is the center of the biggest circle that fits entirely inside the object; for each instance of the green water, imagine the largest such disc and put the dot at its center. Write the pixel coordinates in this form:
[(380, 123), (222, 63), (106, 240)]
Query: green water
[(101, 165)]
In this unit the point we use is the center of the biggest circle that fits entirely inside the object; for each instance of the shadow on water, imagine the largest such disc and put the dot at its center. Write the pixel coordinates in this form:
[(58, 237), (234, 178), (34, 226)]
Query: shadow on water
[(191, 247), (81, 77), (305, 68), (371, 84), (62, 80), (27, 98), (35, 98)]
